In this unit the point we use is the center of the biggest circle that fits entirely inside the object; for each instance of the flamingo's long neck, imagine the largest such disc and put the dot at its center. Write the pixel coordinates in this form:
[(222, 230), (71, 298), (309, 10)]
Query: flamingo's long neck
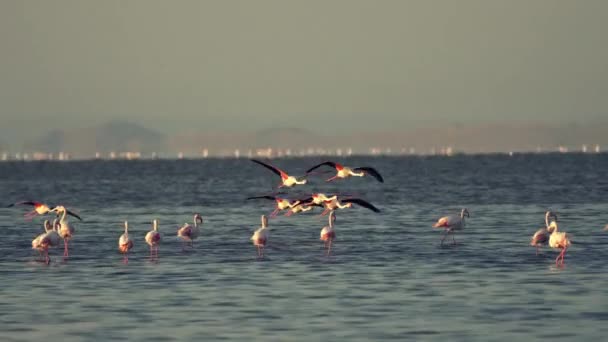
[(155, 226), (331, 220), (126, 228), (64, 214)]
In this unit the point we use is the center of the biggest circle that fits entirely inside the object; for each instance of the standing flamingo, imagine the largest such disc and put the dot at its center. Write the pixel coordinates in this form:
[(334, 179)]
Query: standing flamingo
[(153, 239), (345, 172), (559, 240), (260, 237), (541, 236), (286, 180), (66, 230), (328, 234), (42, 242), (452, 223), (125, 243), (188, 233)]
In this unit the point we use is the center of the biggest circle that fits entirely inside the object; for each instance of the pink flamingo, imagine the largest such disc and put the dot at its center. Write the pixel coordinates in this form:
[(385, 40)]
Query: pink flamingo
[(541, 236), (328, 234), (452, 223), (260, 237), (189, 233), (125, 243), (153, 239)]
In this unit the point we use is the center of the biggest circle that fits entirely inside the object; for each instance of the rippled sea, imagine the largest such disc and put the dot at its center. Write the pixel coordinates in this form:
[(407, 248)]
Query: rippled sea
[(387, 279)]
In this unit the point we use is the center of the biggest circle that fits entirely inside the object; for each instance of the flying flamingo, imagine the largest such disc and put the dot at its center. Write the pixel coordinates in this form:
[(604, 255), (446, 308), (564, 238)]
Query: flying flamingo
[(281, 203), (39, 208), (260, 237), (188, 233), (66, 230), (334, 204), (286, 180), (559, 240), (451, 224), (345, 172), (42, 242), (125, 243), (298, 208), (328, 234), (541, 236), (153, 239)]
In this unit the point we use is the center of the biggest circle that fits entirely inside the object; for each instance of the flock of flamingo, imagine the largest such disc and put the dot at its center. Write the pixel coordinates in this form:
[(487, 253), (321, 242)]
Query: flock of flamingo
[(62, 229)]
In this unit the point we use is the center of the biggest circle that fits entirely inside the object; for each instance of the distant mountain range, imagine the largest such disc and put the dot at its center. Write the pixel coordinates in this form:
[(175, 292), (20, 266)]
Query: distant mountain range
[(119, 136)]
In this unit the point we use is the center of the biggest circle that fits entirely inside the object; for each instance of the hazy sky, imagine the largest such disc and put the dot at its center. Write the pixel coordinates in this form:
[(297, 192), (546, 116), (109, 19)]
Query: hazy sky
[(227, 64)]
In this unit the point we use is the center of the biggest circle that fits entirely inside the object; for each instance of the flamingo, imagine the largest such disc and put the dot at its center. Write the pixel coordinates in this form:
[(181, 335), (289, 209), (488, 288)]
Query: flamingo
[(334, 204), (286, 180), (66, 230), (320, 198), (125, 243), (42, 242), (39, 208), (260, 237), (188, 233), (153, 239), (281, 203), (542, 235), (328, 234), (345, 172), (452, 223), (558, 240), (298, 208)]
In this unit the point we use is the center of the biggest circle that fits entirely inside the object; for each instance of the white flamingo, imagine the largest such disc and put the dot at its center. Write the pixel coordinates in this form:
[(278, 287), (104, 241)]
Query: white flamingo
[(559, 240), (286, 180), (125, 243), (188, 232), (541, 237), (452, 223), (42, 242), (153, 239), (345, 172), (328, 234), (66, 230), (298, 208), (260, 237)]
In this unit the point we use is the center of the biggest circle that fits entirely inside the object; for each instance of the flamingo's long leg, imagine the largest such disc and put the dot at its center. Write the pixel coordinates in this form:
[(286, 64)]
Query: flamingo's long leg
[(329, 247), (331, 179), (445, 234)]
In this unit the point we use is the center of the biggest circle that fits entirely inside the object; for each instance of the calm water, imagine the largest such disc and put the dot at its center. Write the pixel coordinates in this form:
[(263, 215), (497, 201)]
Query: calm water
[(388, 278)]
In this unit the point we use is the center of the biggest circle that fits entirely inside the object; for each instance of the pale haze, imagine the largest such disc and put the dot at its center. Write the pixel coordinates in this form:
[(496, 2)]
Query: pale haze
[(345, 66)]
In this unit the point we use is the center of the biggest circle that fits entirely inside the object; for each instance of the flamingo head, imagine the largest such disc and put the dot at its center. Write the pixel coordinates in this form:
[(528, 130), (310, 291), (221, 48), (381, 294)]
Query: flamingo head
[(198, 218), (464, 212)]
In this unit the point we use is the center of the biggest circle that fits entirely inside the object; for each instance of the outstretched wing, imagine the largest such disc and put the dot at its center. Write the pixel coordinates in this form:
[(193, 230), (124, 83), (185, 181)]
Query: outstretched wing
[(24, 203), (328, 163), (258, 197), (370, 171), (279, 172), (73, 214), (362, 203)]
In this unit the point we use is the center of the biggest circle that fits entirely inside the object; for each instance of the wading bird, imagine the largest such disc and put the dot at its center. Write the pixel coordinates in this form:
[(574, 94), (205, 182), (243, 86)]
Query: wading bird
[(42, 242), (125, 243), (559, 240), (452, 223), (541, 237), (328, 234), (188, 233), (260, 237), (345, 172), (153, 239), (66, 230), (286, 180)]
